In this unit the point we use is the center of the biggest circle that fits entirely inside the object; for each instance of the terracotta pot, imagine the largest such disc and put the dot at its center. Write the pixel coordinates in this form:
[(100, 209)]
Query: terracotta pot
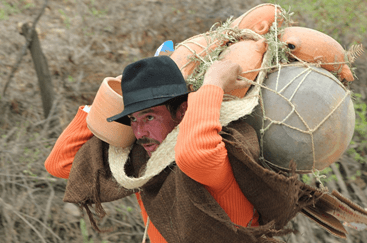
[(258, 19), (249, 55), (108, 102), (316, 47), (184, 54)]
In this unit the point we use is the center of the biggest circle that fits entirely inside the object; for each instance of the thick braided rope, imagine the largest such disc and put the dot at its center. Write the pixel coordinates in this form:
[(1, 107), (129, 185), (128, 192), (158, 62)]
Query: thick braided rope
[(159, 160)]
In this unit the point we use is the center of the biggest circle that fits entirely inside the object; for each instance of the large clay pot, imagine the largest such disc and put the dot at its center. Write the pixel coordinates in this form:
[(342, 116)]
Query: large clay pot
[(316, 47), (108, 102), (314, 96), (259, 19), (249, 55)]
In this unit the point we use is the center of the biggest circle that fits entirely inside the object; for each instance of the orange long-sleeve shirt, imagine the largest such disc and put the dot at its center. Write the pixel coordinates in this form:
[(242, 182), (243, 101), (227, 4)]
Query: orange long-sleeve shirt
[(200, 153), (59, 162)]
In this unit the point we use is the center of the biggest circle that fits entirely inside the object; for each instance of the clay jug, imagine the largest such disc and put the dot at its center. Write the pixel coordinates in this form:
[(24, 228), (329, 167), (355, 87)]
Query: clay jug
[(249, 55), (185, 53), (316, 47), (258, 19), (108, 102)]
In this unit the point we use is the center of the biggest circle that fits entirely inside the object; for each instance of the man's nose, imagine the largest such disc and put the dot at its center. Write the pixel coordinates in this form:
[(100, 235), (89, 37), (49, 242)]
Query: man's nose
[(141, 131)]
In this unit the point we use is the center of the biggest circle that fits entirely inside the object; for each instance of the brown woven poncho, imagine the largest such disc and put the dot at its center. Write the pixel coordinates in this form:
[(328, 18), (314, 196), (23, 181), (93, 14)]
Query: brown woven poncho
[(182, 209)]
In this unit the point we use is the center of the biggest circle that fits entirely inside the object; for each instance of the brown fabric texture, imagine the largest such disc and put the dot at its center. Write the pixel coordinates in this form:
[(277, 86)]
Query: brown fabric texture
[(182, 209), (90, 168), (90, 180), (275, 196)]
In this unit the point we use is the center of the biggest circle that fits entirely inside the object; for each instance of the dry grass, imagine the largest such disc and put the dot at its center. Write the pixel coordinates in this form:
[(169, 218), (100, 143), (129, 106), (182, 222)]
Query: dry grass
[(31, 206)]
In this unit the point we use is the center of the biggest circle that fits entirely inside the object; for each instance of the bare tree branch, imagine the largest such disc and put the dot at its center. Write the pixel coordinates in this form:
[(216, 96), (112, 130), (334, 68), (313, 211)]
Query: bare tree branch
[(28, 37)]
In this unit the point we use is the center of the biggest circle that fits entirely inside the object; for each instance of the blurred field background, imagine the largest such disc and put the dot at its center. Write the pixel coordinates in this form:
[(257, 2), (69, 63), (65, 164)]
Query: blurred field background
[(87, 40)]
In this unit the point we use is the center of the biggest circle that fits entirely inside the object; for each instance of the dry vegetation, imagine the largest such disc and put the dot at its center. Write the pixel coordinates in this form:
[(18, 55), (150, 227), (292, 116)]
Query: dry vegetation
[(85, 41)]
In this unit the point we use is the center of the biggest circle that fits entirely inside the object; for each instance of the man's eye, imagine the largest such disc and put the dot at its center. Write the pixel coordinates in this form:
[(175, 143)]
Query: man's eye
[(150, 118), (132, 119)]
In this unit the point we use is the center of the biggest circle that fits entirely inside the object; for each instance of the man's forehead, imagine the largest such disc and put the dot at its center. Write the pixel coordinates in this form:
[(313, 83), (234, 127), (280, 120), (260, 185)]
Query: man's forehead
[(156, 109)]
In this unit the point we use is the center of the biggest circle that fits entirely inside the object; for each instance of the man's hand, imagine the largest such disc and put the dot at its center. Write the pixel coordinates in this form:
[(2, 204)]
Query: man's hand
[(224, 75)]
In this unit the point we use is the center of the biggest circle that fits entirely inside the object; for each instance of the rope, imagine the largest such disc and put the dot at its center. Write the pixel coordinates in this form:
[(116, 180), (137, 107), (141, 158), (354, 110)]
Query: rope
[(276, 31), (318, 177), (309, 130), (145, 231)]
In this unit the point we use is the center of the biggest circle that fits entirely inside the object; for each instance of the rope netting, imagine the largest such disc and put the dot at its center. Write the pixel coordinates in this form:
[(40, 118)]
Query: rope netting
[(217, 40), (309, 130)]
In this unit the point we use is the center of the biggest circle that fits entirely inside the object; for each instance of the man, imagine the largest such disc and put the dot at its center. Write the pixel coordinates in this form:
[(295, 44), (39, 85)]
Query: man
[(206, 196)]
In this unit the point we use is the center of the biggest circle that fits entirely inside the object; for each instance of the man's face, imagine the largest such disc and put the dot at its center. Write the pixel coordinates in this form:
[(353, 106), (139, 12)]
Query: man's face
[(151, 126)]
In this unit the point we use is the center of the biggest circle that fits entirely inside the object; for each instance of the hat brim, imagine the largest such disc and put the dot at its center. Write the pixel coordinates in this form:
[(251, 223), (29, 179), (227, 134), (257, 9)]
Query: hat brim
[(132, 108)]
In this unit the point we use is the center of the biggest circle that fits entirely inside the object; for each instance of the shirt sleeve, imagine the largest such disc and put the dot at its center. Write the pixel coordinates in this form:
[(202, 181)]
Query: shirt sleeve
[(59, 162), (200, 151)]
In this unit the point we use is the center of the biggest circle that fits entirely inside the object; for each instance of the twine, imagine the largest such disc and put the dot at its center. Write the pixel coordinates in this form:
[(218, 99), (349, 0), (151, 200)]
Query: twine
[(146, 231), (318, 177), (309, 130)]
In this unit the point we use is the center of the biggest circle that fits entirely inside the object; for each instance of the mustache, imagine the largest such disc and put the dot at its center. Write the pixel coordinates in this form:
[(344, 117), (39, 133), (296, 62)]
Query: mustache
[(142, 141)]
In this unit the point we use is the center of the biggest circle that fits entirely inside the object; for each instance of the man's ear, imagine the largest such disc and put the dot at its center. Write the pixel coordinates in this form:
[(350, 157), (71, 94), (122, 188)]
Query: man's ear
[(181, 110)]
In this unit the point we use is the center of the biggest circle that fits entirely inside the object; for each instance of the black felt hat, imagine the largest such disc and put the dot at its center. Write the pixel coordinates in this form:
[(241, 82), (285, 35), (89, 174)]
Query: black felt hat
[(147, 83)]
